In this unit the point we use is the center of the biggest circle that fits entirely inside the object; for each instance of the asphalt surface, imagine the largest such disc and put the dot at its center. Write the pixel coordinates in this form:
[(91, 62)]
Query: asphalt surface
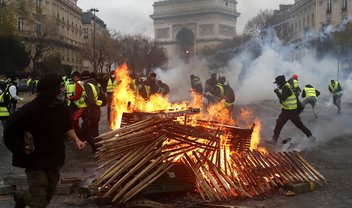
[(331, 155)]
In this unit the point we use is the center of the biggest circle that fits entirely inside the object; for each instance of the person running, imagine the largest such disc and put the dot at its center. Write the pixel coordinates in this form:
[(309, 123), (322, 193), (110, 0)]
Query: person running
[(310, 95), (39, 147), (289, 110), (336, 90)]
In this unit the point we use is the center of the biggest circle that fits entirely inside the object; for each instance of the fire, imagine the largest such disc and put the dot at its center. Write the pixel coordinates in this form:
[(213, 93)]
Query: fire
[(256, 135), (126, 100)]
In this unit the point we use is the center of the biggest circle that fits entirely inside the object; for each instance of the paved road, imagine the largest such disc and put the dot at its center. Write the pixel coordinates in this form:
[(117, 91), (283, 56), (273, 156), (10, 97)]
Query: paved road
[(331, 155)]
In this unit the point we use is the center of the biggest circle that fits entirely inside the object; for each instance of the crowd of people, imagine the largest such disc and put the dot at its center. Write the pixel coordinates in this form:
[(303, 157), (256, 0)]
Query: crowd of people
[(288, 93), (70, 107), (216, 89)]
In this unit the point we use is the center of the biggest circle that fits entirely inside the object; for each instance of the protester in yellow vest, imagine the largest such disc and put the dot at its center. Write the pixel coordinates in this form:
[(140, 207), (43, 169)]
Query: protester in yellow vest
[(90, 125), (289, 110), (293, 81), (4, 104), (29, 83), (78, 99), (112, 83), (310, 95), (336, 91)]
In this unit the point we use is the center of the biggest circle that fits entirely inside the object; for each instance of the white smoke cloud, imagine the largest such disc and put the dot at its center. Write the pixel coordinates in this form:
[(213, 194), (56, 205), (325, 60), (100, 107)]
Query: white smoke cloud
[(252, 78)]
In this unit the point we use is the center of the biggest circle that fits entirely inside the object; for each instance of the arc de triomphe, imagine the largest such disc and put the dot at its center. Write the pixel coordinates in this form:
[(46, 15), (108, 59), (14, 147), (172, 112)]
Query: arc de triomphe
[(184, 27)]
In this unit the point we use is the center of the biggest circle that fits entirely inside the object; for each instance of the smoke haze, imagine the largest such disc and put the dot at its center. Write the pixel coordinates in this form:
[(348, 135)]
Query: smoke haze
[(132, 16)]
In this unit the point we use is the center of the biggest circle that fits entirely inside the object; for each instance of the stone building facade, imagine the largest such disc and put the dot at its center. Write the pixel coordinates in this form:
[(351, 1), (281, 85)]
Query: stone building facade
[(88, 32), (184, 27), (308, 17), (57, 22), (60, 25)]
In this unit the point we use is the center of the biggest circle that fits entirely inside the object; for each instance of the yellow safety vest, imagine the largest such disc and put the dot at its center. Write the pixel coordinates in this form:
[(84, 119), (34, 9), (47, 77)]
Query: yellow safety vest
[(222, 90), (310, 92), (4, 112), (227, 104), (70, 91), (295, 83), (291, 102), (135, 87), (28, 82), (334, 88), (81, 102), (147, 90), (95, 94), (111, 85)]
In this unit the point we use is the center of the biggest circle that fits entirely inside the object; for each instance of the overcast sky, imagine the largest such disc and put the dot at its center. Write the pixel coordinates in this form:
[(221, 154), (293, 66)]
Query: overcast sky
[(132, 16)]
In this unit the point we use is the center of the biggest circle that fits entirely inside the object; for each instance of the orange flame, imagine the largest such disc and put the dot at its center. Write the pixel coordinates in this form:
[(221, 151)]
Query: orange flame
[(126, 100)]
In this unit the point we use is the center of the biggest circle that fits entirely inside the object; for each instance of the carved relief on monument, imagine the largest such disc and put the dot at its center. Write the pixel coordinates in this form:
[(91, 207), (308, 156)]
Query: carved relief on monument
[(177, 27), (226, 30), (162, 33), (206, 29)]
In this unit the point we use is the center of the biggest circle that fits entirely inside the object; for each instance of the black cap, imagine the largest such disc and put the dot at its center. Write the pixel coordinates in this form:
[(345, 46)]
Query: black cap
[(75, 74), (280, 79)]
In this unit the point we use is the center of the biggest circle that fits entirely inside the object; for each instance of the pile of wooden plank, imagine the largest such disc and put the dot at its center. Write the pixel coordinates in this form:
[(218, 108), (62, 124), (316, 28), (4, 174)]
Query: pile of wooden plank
[(134, 156)]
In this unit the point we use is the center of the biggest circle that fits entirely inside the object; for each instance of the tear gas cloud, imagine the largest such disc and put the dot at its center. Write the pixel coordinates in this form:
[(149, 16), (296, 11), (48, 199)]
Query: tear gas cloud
[(252, 78)]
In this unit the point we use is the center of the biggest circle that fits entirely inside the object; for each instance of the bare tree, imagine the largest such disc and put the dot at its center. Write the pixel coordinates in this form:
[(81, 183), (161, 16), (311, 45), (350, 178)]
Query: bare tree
[(140, 53), (103, 50), (42, 43), (258, 24)]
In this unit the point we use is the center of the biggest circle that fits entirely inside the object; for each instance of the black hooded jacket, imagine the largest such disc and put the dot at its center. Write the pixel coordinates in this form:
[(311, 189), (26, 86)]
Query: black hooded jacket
[(47, 120)]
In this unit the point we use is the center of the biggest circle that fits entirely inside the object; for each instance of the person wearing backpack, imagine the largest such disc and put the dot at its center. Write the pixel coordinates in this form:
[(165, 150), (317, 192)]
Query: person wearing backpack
[(4, 104), (289, 110), (39, 147), (90, 125)]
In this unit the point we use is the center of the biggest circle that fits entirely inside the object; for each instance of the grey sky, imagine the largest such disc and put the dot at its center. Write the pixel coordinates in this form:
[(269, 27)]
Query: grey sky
[(132, 16)]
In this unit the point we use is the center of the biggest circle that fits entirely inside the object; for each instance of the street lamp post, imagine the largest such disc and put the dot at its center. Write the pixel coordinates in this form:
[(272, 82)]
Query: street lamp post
[(94, 22)]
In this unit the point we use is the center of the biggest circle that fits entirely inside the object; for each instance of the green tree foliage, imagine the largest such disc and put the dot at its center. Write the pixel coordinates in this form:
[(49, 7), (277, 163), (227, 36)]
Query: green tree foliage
[(13, 56), (11, 12)]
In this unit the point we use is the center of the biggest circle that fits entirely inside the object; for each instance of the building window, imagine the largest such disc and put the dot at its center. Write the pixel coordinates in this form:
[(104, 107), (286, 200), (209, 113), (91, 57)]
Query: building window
[(39, 3), (20, 24), (344, 5), (329, 6), (39, 27)]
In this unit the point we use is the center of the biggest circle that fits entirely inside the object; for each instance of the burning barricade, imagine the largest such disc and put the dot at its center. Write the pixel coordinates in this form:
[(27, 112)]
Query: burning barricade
[(222, 160)]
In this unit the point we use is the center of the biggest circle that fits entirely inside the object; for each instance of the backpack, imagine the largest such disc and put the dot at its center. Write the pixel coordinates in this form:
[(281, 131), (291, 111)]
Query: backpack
[(102, 96)]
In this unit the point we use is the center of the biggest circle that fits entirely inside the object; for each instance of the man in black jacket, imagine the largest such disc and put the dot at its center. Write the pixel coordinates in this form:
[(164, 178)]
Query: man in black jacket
[(39, 146), (289, 110)]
